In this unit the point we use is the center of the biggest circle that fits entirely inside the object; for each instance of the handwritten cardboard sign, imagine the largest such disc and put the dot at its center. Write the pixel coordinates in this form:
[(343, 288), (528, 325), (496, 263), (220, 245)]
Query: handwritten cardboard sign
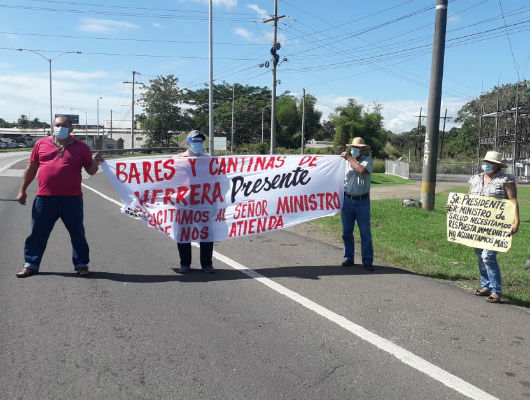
[(217, 198), (479, 221)]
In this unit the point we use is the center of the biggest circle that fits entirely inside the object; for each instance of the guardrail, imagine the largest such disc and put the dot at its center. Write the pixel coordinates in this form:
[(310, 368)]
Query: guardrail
[(144, 150)]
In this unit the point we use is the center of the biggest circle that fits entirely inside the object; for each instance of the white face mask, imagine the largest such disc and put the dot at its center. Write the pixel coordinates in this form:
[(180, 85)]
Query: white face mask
[(487, 168), (61, 132), (196, 147), (355, 152)]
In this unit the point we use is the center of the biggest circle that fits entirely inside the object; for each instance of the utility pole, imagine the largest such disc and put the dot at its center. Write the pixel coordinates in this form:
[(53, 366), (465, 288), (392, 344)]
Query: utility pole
[(111, 124), (275, 59), (428, 185), (134, 73), (445, 117), (210, 89), (515, 130), (303, 120), (232, 130)]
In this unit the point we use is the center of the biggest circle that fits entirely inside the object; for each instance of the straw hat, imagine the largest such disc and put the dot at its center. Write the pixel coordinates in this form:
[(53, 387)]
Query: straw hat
[(359, 142), (494, 157)]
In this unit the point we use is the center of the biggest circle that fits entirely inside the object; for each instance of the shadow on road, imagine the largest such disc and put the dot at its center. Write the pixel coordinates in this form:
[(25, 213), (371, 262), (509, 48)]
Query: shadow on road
[(196, 275)]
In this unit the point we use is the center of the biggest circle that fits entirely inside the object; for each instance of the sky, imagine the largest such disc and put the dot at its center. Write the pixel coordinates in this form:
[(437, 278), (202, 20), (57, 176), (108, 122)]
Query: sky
[(372, 51)]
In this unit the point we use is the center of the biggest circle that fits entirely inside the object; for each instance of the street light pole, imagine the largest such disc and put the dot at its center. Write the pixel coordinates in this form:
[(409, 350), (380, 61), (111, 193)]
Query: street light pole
[(51, 114), (97, 127), (50, 74)]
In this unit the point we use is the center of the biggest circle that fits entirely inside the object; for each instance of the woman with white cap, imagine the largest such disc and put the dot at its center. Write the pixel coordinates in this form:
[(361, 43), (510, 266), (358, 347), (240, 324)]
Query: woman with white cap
[(493, 182)]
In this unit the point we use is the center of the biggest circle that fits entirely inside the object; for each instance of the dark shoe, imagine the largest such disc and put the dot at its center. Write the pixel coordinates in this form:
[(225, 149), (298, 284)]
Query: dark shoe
[(83, 271), (208, 269), (368, 267), (348, 263), (492, 299), (25, 272), (184, 269), (482, 292)]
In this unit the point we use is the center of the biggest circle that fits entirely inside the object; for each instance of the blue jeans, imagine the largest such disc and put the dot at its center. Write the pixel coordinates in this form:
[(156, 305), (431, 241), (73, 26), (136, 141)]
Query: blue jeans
[(45, 212), (352, 211), (490, 272)]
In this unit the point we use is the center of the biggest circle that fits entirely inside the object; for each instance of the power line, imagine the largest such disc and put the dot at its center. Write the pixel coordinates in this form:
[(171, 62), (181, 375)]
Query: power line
[(136, 8), (124, 14), (509, 42), (141, 55), (129, 39)]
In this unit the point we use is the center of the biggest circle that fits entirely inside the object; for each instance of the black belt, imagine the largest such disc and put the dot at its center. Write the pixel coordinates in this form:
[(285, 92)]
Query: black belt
[(361, 197)]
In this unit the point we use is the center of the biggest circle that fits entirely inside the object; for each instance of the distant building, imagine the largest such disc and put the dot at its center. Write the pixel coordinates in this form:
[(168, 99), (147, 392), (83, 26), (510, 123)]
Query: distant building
[(316, 144)]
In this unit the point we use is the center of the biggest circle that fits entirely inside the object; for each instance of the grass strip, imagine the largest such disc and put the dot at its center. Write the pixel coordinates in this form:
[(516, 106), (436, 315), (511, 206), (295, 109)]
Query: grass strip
[(416, 240)]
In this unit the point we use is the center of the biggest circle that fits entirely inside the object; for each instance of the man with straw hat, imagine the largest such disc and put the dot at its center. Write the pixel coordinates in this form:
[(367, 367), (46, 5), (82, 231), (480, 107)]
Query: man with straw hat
[(356, 206), (492, 182)]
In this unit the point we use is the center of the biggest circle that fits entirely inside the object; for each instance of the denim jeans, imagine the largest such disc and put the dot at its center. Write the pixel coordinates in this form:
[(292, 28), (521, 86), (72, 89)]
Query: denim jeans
[(45, 212), (352, 211), (490, 272), (206, 253)]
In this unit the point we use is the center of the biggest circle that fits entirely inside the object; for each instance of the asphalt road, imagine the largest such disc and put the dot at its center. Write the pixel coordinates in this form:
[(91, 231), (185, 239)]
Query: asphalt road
[(294, 326)]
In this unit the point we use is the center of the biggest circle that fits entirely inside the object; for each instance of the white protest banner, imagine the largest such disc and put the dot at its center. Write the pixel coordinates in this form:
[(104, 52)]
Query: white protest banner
[(217, 198), (479, 221)]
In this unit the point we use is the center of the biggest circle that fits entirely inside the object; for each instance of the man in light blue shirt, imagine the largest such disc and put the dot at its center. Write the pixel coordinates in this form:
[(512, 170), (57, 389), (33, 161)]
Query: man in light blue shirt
[(356, 206)]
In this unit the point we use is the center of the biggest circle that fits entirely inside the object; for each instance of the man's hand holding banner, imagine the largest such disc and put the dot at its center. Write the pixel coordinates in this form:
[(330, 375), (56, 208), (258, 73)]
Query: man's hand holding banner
[(218, 198)]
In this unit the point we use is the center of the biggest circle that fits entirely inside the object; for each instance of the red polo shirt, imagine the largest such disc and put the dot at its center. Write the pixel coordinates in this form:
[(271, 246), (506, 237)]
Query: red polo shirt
[(60, 171)]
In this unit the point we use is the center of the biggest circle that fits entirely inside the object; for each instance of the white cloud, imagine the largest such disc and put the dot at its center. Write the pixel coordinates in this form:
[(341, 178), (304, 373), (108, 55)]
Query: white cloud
[(104, 25), (244, 33), (260, 11), (157, 25), (76, 75), (399, 115), (454, 19), (29, 94)]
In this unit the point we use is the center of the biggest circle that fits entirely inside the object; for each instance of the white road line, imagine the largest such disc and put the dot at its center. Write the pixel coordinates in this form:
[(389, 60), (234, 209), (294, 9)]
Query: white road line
[(386, 345), (102, 195), (6, 167)]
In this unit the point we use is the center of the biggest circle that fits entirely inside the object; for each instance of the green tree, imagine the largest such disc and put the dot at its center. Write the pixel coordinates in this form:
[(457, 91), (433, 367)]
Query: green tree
[(5, 124), (326, 131), (164, 116), (249, 103), (288, 121), (23, 122), (351, 121)]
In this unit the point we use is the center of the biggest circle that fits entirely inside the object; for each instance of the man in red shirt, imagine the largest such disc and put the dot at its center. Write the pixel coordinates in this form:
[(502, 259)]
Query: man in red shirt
[(58, 159)]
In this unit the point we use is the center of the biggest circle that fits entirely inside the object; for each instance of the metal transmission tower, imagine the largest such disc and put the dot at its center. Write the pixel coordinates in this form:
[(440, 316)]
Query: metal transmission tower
[(445, 117), (419, 134), (428, 185), (275, 59), (508, 132), (132, 105)]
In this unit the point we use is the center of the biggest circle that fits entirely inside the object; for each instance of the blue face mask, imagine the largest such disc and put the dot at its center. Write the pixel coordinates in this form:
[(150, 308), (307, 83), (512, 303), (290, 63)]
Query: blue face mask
[(355, 152), (197, 147), (487, 168), (61, 132)]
